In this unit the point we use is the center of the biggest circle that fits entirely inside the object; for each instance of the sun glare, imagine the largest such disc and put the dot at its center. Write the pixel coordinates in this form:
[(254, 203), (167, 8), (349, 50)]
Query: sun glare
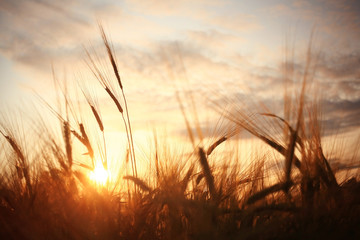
[(99, 175)]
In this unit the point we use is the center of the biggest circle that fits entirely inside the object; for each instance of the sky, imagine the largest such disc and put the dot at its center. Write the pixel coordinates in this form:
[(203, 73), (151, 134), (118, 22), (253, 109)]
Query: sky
[(213, 48)]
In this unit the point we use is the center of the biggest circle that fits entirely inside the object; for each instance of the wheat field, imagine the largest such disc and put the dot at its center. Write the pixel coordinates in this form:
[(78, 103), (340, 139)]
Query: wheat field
[(202, 193)]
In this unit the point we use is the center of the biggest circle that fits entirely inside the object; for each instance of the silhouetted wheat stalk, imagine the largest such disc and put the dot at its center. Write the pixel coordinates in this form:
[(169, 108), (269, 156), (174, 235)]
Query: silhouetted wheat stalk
[(105, 82), (207, 173), (21, 163), (117, 75), (84, 139)]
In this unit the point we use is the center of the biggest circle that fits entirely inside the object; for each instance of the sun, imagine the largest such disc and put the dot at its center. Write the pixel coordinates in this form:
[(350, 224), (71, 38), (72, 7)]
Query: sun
[(99, 175)]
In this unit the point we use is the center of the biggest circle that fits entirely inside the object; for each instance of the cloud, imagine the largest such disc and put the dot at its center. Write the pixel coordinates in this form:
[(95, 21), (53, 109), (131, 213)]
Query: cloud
[(340, 76), (341, 116), (337, 22), (160, 44), (344, 66), (37, 32), (202, 13), (236, 23), (215, 42), (173, 7)]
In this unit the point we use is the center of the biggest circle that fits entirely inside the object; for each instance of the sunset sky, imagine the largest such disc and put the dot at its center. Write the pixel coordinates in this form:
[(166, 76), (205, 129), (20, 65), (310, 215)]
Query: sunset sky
[(223, 46)]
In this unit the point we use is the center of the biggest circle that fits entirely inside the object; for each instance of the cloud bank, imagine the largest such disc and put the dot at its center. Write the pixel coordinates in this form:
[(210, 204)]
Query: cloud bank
[(226, 47)]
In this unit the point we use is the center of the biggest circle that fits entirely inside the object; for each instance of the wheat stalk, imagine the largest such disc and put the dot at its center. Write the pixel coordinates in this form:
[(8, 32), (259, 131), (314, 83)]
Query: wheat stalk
[(22, 165), (83, 138), (127, 122), (207, 173), (138, 182), (263, 193), (111, 57), (67, 140), (215, 144)]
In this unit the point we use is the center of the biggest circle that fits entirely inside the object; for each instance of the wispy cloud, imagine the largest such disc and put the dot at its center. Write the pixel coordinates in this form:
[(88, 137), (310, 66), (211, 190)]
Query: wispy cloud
[(215, 46), (341, 116), (36, 32)]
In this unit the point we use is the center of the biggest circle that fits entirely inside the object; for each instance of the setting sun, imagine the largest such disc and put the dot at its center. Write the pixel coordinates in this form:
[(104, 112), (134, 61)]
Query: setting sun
[(99, 175)]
